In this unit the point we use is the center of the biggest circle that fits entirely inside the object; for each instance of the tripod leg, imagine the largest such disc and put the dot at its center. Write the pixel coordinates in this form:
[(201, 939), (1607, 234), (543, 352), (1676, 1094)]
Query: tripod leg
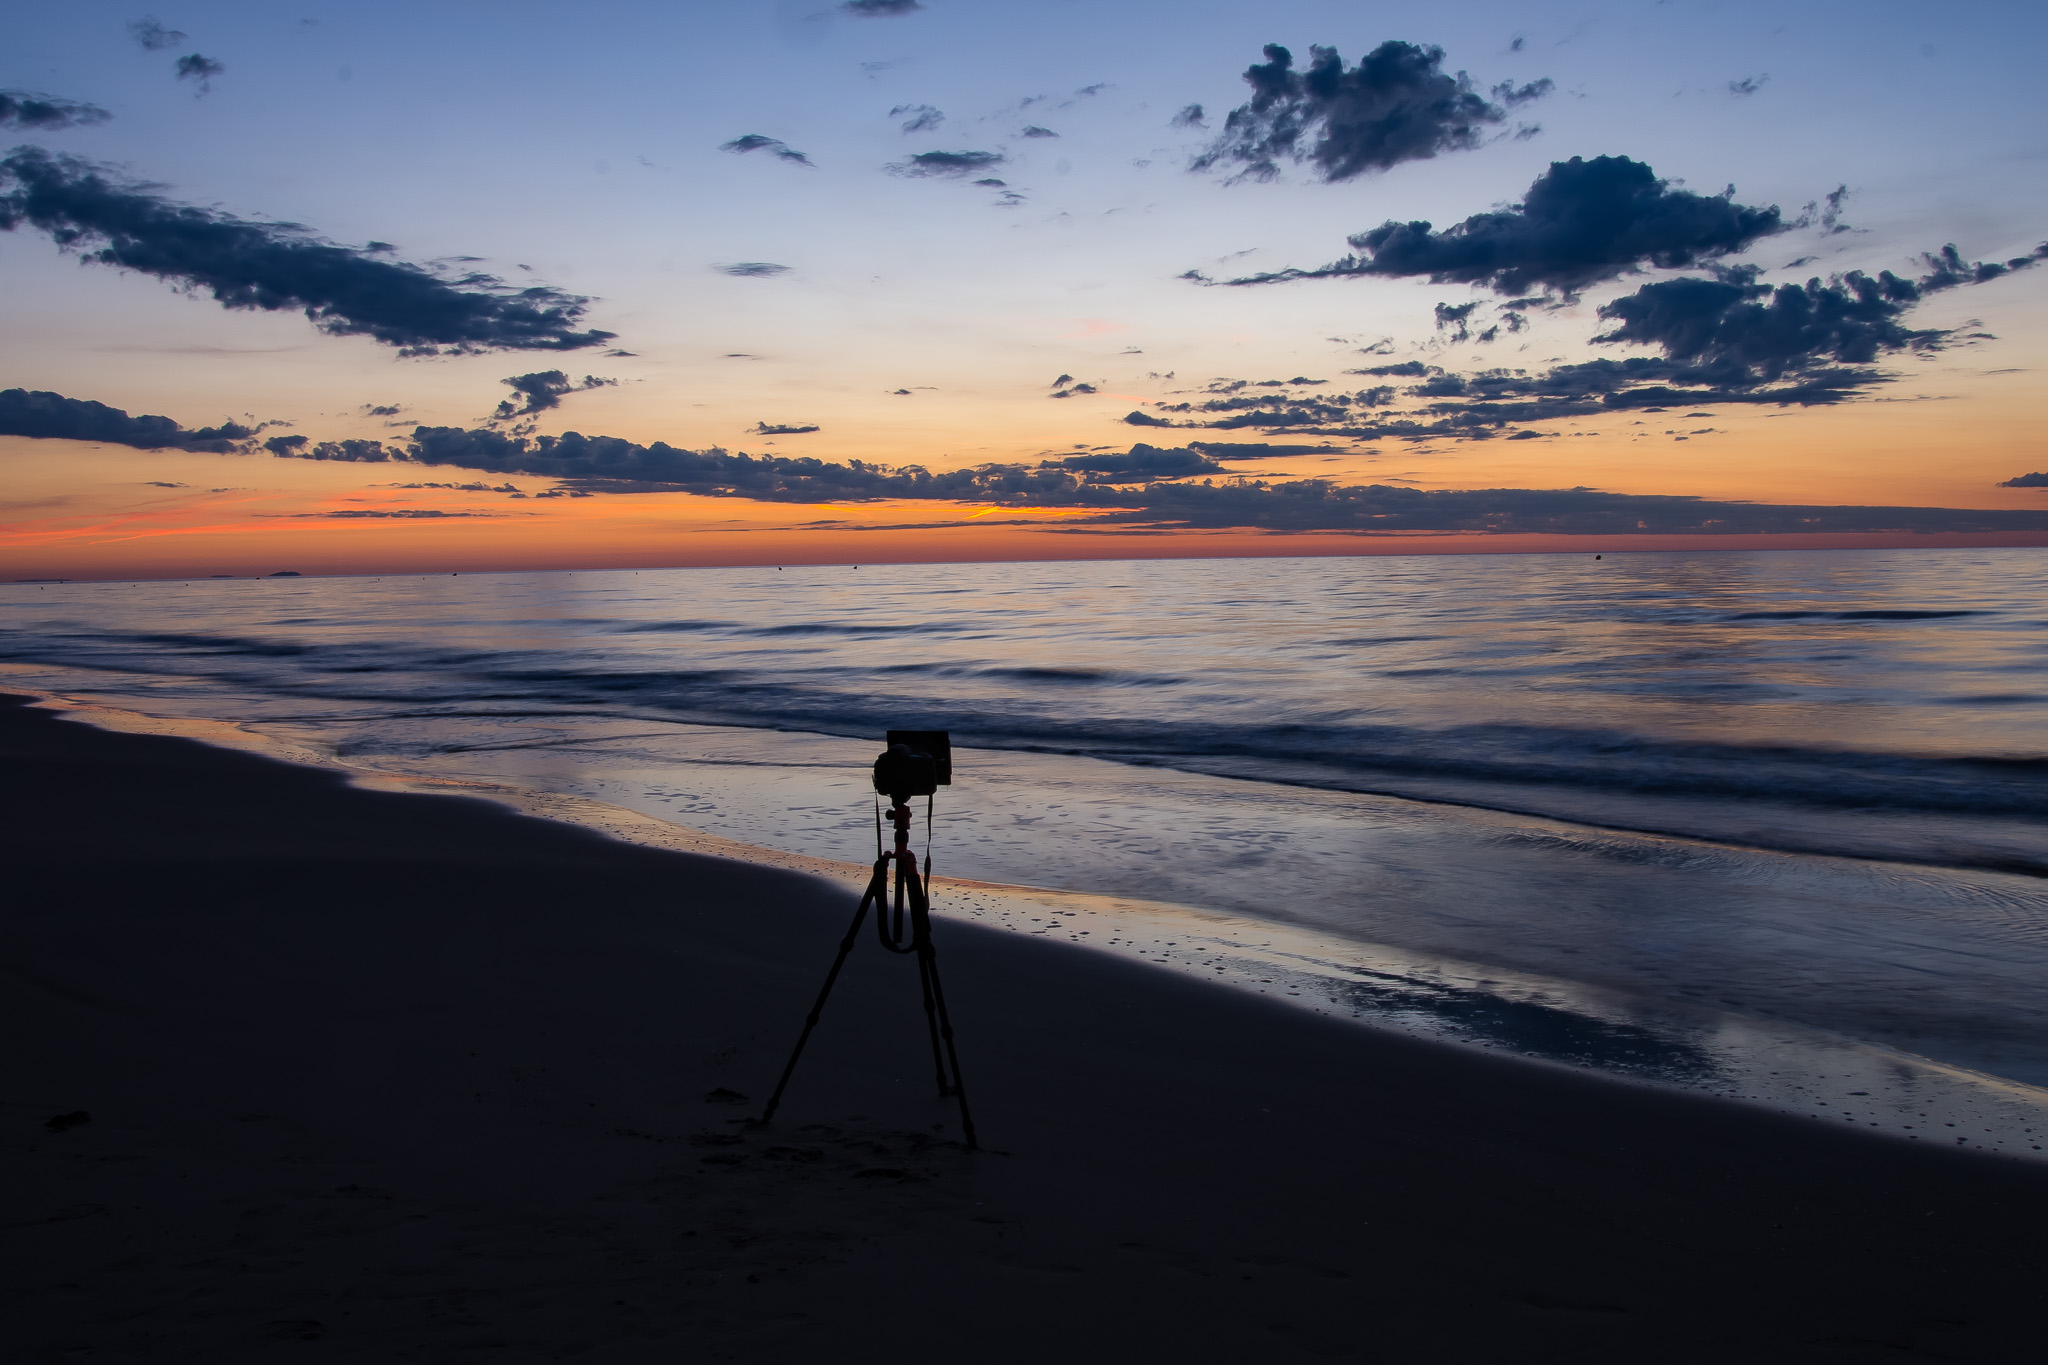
[(876, 892), (920, 929), (928, 963), (952, 1056)]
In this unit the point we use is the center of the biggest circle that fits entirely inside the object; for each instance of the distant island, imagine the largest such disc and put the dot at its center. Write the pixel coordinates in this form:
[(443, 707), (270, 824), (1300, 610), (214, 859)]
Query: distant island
[(284, 573)]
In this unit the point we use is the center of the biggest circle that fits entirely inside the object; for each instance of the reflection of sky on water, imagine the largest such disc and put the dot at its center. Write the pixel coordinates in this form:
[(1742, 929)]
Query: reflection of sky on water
[(1536, 1030), (1625, 737)]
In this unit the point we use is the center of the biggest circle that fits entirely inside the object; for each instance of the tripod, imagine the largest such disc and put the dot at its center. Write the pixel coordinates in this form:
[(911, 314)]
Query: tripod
[(910, 888)]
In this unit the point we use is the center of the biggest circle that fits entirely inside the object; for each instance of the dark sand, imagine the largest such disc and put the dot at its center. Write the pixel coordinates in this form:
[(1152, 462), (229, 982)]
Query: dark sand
[(381, 1077)]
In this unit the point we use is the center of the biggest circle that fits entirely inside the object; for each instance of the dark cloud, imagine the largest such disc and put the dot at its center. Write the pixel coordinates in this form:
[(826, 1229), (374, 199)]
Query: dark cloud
[(192, 66), (1735, 331), (1034, 130), (751, 270), (51, 416), (922, 118), (1748, 85), (20, 109), (2027, 481), (539, 391), (152, 35), (1398, 104), (474, 487), (879, 9), (952, 165), (275, 266), (1456, 319), (1579, 223), (1077, 389), (756, 142), (1191, 117), (159, 483), (1725, 338), (1142, 463), (347, 452), (778, 429)]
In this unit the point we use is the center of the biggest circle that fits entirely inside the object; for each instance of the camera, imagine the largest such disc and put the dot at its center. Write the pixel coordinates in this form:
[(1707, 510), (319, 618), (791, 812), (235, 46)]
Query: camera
[(916, 763)]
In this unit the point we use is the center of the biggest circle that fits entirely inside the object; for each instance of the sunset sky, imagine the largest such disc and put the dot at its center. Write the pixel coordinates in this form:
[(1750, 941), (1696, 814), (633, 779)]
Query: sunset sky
[(1008, 242)]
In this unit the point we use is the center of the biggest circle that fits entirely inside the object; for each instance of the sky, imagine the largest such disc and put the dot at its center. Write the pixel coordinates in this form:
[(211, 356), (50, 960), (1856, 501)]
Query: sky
[(456, 287)]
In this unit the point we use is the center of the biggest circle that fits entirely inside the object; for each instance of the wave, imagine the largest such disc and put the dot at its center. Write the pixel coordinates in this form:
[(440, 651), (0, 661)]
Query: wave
[(1018, 707)]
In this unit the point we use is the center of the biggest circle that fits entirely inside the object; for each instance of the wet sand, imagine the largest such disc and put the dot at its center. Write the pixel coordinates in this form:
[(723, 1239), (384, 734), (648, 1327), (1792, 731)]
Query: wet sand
[(375, 1076)]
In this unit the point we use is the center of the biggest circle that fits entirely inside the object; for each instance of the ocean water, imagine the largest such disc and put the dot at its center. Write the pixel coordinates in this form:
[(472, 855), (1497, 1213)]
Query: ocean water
[(1771, 823)]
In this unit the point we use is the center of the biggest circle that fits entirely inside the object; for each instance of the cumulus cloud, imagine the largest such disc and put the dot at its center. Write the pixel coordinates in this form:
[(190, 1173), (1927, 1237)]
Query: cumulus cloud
[(879, 9), (778, 429), (344, 291), (756, 142), (20, 109), (1192, 116), (1398, 104), (949, 165), (44, 415), (1033, 130), (2026, 481), (541, 390), (1579, 223), (751, 270)]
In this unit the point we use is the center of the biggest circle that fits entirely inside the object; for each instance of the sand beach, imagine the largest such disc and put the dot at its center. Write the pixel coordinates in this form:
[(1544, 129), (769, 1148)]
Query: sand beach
[(299, 1069)]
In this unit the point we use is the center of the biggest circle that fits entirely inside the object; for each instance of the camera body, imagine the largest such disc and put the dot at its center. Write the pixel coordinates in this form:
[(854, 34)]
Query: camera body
[(916, 763)]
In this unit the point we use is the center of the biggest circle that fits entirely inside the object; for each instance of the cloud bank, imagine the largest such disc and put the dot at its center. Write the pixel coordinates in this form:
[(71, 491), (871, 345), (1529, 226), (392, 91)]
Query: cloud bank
[(1147, 487), (344, 291), (1398, 104)]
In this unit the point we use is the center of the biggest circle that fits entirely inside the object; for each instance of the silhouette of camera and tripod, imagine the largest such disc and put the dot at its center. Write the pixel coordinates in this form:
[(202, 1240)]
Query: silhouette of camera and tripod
[(916, 763)]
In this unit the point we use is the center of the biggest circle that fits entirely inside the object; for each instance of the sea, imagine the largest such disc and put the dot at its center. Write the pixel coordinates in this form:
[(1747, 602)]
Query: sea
[(1767, 825)]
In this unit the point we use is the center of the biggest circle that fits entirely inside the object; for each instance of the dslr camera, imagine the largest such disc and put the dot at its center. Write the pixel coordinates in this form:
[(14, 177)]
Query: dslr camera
[(916, 763)]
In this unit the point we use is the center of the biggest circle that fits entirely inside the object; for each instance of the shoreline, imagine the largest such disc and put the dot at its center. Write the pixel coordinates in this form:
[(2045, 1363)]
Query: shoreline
[(412, 1076), (1782, 1068)]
